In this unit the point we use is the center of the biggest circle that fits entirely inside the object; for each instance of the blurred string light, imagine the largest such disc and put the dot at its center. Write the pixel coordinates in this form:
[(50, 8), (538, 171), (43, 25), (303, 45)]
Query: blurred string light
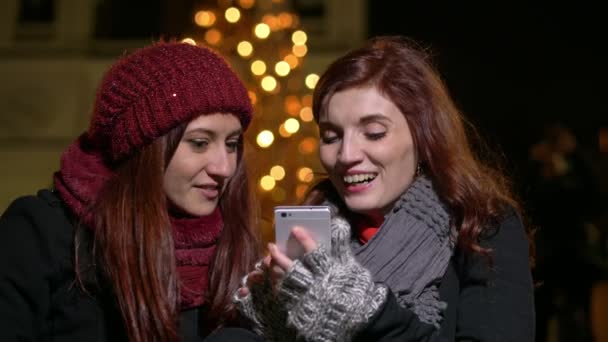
[(311, 80), (305, 174), (292, 125), (262, 31), (299, 37), (267, 183), (213, 36), (188, 40), (306, 114), (265, 138), (204, 18), (282, 68), (270, 49), (258, 67), (277, 172), (246, 4), (299, 50), (244, 48), (232, 15), (269, 83)]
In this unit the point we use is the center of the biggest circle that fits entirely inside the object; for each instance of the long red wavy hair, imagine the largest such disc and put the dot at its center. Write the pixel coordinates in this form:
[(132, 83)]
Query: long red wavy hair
[(477, 193)]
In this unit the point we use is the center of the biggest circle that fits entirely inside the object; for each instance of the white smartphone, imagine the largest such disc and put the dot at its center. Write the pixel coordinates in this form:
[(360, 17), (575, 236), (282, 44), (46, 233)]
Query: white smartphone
[(315, 219)]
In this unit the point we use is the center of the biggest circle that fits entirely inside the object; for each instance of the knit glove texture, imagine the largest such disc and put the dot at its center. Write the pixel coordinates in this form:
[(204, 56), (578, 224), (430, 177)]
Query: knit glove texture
[(330, 297), (267, 316)]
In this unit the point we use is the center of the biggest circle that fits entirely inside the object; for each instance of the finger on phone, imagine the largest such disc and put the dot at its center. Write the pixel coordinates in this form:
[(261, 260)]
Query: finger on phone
[(304, 238), (279, 258)]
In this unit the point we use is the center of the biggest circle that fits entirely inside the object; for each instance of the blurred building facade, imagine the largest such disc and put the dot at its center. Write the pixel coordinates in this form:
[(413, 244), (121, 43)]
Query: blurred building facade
[(53, 54)]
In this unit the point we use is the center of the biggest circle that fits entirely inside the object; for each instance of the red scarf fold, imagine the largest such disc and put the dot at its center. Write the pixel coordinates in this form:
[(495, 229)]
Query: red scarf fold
[(195, 241), (82, 175)]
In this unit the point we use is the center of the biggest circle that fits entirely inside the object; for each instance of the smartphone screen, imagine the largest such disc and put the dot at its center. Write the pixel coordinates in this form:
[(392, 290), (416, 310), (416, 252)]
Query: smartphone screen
[(315, 219)]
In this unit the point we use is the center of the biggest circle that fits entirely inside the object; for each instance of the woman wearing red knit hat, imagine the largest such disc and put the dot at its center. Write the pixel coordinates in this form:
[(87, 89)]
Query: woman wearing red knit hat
[(147, 230)]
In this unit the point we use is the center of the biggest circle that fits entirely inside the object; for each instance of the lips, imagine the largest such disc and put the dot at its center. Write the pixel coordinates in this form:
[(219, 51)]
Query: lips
[(359, 181), (209, 191)]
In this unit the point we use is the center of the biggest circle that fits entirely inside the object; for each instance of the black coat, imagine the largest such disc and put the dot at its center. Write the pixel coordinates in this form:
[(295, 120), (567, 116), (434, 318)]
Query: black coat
[(484, 303), (39, 297)]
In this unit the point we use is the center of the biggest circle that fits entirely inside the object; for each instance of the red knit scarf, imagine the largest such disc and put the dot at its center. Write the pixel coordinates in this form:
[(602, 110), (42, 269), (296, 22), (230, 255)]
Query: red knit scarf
[(195, 241), (82, 175)]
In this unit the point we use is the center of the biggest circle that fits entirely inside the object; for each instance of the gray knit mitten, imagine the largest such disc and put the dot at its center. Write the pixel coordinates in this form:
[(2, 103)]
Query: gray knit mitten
[(330, 298), (268, 318)]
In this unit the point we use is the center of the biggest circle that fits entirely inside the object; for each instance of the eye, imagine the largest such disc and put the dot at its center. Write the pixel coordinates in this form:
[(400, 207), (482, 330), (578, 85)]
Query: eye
[(329, 137), (198, 144), (233, 145), (375, 136)]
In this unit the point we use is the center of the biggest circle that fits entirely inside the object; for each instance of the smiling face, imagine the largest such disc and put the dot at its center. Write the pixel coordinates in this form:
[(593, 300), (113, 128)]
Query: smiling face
[(367, 149), (204, 161)]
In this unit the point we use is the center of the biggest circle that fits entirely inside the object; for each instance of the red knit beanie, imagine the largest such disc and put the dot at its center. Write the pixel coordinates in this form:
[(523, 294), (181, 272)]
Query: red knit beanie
[(150, 91)]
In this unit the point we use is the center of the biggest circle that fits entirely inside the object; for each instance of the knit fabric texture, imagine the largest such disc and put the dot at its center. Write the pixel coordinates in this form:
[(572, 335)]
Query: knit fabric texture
[(411, 251), (195, 240), (323, 297), (147, 93)]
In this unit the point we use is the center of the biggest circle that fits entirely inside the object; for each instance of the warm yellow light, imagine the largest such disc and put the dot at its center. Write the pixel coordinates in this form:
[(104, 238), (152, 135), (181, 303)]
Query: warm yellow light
[(267, 183), (278, 194), (213, 36), (299, 37), (269, 83), (277, 172), (232, 14), (285, 20), (311, 80), (292, 60), (262, 31), (301, 190), (299, 50), (292, 105), (292, 125), (307, 145), (258, 67), (282, 68), (305, 174), (252, 97), (246, 4), (244, 48), (265, 138), (307, 100), (306, 114), (283, 132), (189, 41), (272, 22), (204, 18)]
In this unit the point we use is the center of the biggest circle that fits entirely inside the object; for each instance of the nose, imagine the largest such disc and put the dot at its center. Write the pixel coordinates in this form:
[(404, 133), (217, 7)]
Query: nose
[(350, 151), (222, 163)]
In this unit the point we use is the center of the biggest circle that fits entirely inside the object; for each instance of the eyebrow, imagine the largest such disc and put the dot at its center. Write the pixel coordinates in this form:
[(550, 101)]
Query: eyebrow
[(213, 133), (374, 117)]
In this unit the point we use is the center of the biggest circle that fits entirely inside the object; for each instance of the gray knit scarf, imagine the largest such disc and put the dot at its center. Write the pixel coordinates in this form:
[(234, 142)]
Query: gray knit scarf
[(412, 249)]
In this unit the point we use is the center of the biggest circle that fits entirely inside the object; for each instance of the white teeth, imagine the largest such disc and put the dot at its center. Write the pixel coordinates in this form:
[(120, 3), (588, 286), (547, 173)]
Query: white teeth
[(359, 178)]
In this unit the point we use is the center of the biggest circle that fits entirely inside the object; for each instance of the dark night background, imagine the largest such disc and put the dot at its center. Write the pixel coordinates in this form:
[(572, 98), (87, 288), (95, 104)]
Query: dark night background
[(511, 68)]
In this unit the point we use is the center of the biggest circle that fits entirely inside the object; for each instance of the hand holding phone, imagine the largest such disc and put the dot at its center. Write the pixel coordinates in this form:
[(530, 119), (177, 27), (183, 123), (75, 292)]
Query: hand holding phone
[(315, 219)]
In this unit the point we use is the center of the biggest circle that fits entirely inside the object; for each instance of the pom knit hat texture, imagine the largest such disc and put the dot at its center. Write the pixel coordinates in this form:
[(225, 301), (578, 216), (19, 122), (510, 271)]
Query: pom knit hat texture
[(152, 90)]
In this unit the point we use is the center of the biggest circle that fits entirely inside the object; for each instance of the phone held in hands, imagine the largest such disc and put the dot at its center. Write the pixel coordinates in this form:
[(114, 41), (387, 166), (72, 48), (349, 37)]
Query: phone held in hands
[(315, 219)]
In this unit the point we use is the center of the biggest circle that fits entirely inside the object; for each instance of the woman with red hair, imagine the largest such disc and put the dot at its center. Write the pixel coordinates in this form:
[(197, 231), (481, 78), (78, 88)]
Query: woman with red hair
[(149, 227), (427, 240)]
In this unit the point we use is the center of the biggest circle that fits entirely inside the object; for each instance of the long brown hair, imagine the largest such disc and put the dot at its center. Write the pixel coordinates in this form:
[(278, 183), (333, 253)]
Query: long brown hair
[(476, 193), (134, 243)]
